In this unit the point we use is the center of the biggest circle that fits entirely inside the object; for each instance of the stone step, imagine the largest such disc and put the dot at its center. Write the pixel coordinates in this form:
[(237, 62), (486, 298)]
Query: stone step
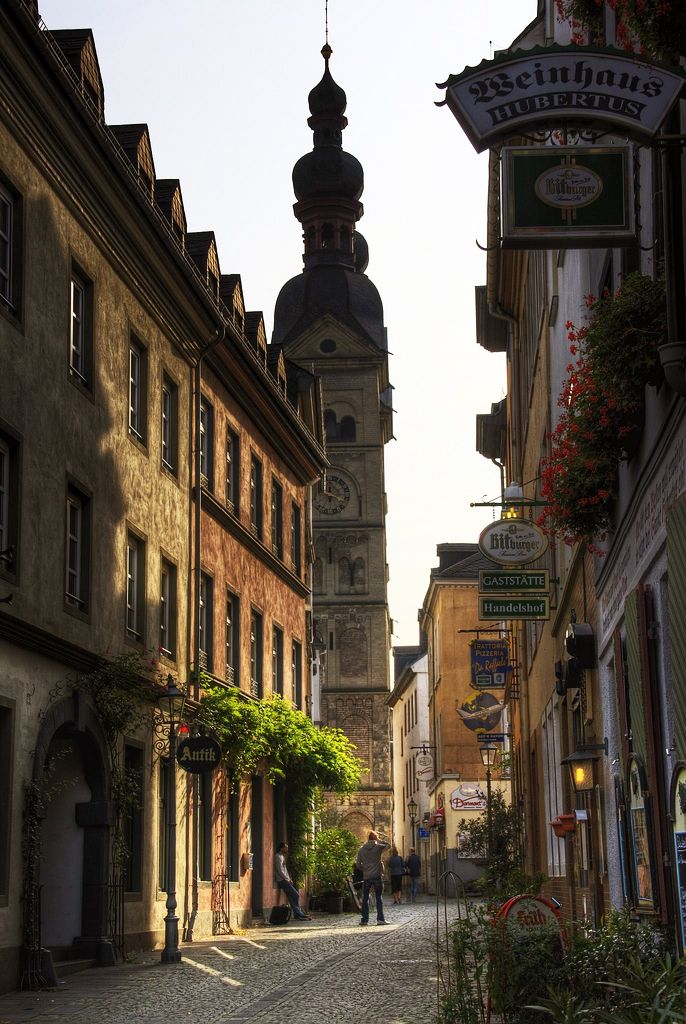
[(63, 968)]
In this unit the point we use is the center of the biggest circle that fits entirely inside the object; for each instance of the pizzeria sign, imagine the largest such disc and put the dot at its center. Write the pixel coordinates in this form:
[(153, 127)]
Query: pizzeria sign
[(557, 85)]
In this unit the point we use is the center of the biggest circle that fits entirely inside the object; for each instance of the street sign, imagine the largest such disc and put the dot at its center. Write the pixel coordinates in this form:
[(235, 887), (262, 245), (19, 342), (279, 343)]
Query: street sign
[(514, 607), (492, 737), (514, 581), (423, 833)]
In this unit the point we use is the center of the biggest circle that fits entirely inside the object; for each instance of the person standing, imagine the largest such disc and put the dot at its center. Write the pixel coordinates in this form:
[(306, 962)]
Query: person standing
[(369, 863), (283, 881), (414, 870), (396, 866)]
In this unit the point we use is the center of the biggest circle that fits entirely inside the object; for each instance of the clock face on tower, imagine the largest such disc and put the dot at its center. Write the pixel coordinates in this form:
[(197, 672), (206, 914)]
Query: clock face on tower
[(334, 498)]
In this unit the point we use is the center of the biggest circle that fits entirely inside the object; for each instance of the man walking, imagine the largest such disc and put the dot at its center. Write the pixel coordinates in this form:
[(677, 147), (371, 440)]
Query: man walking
[(414, 870), (369, 863), (283, 880)]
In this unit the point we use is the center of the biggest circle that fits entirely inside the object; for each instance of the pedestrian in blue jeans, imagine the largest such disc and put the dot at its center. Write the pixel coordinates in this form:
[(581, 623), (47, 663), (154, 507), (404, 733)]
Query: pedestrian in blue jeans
[(283, 880), (369, 863), (414, 870)]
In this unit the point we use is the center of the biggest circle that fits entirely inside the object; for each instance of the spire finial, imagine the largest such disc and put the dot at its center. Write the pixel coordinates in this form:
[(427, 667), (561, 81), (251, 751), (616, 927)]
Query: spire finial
[(326, 22)]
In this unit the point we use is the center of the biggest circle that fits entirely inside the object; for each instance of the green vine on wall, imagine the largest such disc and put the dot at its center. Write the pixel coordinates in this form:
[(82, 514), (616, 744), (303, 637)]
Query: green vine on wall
[(272, 732)]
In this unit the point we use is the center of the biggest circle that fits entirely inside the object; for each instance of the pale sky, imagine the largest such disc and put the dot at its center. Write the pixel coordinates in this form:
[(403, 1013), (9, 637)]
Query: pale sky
[(223, 88)]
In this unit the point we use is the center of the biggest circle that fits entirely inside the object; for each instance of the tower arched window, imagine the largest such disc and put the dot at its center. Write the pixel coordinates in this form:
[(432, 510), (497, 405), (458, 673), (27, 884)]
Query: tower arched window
[(310, 238), (344, 235), (328, 237), (348, 429), (330, 425), (344, 575), (358, 575)]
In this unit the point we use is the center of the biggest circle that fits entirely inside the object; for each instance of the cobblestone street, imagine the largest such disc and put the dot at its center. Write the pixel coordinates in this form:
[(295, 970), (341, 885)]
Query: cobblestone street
[(328, 970)]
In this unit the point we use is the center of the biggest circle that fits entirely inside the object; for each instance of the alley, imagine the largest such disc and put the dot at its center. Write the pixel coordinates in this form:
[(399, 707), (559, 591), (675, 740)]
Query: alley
[(329, 970)]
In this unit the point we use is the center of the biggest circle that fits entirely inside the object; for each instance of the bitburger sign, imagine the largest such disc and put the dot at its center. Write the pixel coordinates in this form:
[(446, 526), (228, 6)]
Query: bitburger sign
[(512, 541), (561, 85)]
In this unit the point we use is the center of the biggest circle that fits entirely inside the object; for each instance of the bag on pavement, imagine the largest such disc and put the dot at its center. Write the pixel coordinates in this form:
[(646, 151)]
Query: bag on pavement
[(280, 915)]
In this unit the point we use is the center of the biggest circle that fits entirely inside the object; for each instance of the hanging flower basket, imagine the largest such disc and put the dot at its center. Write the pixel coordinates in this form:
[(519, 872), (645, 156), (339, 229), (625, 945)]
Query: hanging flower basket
[(655, 28), (615, 355)]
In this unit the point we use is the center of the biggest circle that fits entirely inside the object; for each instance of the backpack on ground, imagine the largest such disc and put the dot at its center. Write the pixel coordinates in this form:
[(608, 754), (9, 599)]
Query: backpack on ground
[(280, 915)]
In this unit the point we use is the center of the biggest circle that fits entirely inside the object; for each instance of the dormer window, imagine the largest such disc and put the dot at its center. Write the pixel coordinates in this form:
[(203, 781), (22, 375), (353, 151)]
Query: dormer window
[(213, 284)]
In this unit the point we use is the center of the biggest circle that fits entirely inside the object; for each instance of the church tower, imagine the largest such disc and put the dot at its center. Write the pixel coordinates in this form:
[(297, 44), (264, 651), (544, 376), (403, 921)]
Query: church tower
[(330, 319)]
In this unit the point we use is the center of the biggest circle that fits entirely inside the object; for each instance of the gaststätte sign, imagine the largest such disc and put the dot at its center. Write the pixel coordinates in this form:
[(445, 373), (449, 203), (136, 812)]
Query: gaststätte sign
[(567, 196), (556, 86), (513, 581), (198, 754), (512, 541)]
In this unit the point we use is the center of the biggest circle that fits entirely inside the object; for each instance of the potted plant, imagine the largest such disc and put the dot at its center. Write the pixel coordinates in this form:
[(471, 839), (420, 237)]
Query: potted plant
[(563, 825), (333, 854)]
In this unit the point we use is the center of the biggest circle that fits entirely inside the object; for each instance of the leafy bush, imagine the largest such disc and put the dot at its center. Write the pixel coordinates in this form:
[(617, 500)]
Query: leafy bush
[(333, 853)]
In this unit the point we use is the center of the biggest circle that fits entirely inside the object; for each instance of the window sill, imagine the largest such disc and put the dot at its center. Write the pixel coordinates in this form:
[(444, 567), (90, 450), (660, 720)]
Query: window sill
[(82, 614), (133, 897), (13, 317), (82, 385), (138, 440)]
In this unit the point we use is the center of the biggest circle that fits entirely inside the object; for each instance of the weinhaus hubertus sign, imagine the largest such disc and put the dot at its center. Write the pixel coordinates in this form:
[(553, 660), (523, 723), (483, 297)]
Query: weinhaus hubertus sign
[(561, 85), (198, 754)]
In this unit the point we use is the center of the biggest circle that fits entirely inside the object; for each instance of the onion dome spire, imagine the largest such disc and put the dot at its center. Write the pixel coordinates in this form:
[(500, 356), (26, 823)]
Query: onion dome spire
[(328, 182)]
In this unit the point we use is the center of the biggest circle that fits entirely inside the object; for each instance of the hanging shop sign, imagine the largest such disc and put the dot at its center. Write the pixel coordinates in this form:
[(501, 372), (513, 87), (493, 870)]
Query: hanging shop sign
[(481, 712), (530, 913), (490, 664), (679, 819), (425, 767), (198, 754), (567, 196), (468, 796), (555, 86), (514, 607), (512, 541), (514, 581)]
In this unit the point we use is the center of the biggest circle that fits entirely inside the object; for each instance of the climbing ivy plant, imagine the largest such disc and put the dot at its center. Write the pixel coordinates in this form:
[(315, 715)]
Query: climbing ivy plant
[(293, 750)]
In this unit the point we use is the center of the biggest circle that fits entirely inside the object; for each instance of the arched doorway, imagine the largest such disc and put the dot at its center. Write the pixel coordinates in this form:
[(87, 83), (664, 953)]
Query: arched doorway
[(71, 771)]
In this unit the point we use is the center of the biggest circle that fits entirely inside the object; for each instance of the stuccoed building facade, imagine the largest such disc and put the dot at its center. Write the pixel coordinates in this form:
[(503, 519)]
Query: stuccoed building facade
[(457, 792), (109, 309), (330, 319), (605, 673), (412, 752)]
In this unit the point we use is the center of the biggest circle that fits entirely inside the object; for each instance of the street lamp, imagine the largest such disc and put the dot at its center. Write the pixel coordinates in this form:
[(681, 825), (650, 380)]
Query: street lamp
[(581, 765), (171, 703), (412, 811), (488, 754)]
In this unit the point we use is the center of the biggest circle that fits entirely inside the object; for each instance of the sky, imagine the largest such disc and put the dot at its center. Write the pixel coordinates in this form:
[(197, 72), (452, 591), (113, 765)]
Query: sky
[(223, 88)]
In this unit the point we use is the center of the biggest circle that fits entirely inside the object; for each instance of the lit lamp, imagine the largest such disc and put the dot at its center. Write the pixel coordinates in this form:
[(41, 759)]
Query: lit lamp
[(512, 493), (412, 811), (171, 703), (488, 754), (581, 763)]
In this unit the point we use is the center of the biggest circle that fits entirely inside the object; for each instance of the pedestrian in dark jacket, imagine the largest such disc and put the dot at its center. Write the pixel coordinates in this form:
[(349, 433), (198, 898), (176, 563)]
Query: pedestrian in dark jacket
[(369, 863), (396, 867)]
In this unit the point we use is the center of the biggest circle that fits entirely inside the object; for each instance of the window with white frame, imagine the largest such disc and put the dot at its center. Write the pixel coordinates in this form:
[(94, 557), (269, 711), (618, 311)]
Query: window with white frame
[(4, 496), (277, 518), (277, 660), (167, 608), (232, 470), (10, 250), (135, 586), (256, 654), (138, 375), (256, 496), (169, 425), (77, 356), (6, 245), (297, 673), (295, 538), (205, 437), (205, 622), (77, 550), (232, 637), (552, 785)]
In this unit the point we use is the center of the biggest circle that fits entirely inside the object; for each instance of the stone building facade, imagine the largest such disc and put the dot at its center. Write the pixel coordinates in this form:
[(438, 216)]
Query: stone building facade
[(330, 319), (115, 325)]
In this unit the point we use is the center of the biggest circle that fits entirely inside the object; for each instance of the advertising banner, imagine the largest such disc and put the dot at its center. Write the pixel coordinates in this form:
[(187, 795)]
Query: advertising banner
[(567, 196)]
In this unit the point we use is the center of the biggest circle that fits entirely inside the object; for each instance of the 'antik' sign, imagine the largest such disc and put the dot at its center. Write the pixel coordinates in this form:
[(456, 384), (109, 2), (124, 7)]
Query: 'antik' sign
[(556, 86), (198, 754)]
